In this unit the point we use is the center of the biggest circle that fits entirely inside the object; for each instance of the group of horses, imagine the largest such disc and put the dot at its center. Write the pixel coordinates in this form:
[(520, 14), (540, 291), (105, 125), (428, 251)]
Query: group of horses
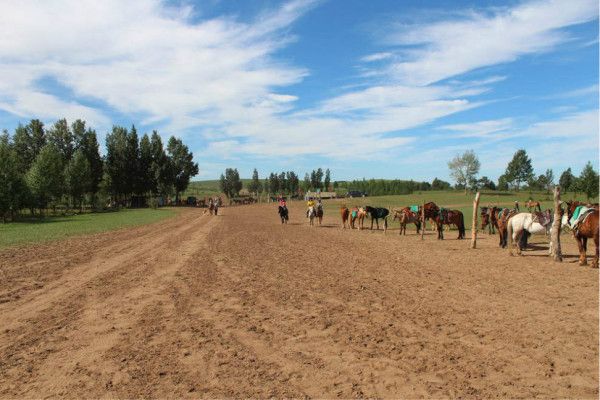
[(515, 227), (407, 215)]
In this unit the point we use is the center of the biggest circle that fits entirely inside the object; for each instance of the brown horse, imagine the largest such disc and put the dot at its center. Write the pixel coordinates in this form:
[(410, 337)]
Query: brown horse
[(345, 213), (532, 205), (357, 217), (584, 230), (443, 217), (406, 216), (489, 218), (502, 223)]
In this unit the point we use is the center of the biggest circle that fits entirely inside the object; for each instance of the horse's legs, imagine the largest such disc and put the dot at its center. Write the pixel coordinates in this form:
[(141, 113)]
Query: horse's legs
[(595, 262), (582, 257)]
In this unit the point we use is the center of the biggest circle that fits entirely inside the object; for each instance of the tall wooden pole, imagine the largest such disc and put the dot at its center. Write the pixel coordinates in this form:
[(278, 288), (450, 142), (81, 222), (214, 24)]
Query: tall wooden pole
[(474, 226), (422, 220), (555, 251)]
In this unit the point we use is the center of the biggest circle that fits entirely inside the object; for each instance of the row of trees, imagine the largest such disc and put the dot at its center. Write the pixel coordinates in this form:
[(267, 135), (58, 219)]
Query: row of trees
[(62, 165), (519, 173)]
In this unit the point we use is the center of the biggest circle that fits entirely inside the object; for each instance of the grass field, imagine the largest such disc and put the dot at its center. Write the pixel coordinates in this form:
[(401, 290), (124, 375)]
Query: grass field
[(32, 230)]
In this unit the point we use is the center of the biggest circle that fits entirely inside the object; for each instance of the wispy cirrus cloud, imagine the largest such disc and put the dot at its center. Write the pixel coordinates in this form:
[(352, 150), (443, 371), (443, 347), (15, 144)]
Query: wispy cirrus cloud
[(444, 49)]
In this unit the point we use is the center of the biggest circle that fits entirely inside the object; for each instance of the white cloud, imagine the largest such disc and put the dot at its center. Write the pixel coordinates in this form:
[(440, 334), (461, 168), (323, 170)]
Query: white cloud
[(376, 57), (450, 48), (480, 129)]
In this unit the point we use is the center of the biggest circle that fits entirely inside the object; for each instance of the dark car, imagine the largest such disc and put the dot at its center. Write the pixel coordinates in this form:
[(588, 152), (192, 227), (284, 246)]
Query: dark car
[(356, 193)]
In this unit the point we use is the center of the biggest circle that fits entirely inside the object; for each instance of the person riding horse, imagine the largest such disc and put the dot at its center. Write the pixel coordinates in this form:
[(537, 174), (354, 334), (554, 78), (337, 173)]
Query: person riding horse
[(310, 203)]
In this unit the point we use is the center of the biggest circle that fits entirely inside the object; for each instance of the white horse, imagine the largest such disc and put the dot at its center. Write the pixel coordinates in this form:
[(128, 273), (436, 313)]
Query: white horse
[(534, 223), (312, 213)]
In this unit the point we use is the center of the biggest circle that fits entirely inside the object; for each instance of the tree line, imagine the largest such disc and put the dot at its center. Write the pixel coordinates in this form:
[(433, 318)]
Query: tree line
[(519, 174), (62, 165)]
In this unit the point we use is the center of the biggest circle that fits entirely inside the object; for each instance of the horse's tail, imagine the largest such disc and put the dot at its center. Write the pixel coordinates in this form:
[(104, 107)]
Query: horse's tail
[(509, 232), (461, 226)]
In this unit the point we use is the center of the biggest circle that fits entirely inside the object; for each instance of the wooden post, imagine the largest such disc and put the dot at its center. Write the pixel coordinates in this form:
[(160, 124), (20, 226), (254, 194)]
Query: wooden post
[(422, 220), (474, 225), (555, 251)]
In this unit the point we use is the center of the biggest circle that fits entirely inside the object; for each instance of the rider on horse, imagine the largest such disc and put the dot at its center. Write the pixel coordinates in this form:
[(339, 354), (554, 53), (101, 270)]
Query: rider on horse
[(309, 204)]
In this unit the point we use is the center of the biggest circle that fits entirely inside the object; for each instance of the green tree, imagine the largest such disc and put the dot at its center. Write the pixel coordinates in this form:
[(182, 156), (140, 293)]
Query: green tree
[(184, 167), (162, 170), (255, 185), (11, 182), (549, 177), (293, 183), (146, 181), (132, 163), (566, 180), (273, 183), (78, 177), (438, 184), (485, 183), (86, 141), (588, 181), (61, 137), (502, 183), (116, 162), (45, 178), (306, 182), (327, 180), (519, 169), (464, 169), (319, 178), (230, 183)]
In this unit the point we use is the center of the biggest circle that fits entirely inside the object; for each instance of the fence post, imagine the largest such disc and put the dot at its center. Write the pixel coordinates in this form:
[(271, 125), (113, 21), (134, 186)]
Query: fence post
[(422, 220), (474, 225), (555, 250)]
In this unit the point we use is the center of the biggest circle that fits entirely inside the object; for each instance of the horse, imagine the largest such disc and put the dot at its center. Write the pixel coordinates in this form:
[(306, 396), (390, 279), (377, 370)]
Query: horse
[(524, 224), (584, 230), (312, 213), (211, 206), (406, 216), (489, 218), (345, 214), (216, 205), (531, 204), (320, 212), (283, 214), (377, 213), (445, 217), (357, 217)]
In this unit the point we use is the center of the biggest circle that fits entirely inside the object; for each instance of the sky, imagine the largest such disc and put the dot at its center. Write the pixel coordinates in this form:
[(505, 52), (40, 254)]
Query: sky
[(379, 89)]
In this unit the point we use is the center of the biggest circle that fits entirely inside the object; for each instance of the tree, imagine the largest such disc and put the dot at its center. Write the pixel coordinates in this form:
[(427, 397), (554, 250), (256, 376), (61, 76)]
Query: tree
[(588, 181), (11, 181), (61, 137), (464, 168), (184, 167), (45, 179), (273, 183), (502, 183), (327, 180), (87, 142), (231, 183), (145, 183), (485, 183), (566, 180), (519, 169), (283, 183), (438, 184), (78, 176), (117, 163), (255, 185), (293, 183), (133, 176), (162, 171), (549, 177), (306, 182), (319, 179)]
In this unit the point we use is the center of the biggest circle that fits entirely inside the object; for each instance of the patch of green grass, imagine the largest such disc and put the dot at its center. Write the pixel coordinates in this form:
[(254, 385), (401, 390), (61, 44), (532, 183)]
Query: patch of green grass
[(456, 200), (32, 230)]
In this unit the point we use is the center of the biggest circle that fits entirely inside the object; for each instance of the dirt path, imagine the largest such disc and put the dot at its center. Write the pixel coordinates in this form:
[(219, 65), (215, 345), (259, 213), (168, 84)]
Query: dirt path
[(240, 306)]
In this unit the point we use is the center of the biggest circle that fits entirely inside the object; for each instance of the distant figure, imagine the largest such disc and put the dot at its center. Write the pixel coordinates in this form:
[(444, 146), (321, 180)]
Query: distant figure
[(517, 206)]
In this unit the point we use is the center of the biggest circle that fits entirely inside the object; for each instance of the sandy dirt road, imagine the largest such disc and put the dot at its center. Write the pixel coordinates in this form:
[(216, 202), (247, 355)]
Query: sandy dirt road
[(240, 306)]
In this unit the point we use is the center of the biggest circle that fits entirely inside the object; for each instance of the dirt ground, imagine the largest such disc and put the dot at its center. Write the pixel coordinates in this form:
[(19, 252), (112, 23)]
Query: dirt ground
[(241, 306)]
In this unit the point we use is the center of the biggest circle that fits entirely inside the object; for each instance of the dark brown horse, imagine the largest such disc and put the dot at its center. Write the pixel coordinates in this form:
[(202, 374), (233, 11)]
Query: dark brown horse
[(442, 217), (584, 230), (502, 223), (489, 218)]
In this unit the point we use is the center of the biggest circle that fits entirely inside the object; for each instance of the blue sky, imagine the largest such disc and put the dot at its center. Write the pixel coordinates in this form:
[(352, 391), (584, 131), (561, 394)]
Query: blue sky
[(383, 89)]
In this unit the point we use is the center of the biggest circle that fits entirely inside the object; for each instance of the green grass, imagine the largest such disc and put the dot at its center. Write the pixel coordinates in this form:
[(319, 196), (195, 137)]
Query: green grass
[(451, 199), (32, 230)]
